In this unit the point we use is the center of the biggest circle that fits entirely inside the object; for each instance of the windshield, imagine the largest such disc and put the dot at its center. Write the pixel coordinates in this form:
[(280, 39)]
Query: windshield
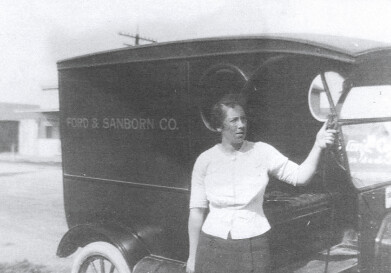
[(367, 102), (368, 144), (368, 148)]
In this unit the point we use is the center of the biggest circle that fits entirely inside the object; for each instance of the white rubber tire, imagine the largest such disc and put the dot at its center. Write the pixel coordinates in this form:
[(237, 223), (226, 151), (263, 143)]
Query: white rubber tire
[(103, 249)]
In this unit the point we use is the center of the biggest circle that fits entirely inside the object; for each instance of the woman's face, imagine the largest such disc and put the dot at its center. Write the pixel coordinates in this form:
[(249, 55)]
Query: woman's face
[(234, 127)]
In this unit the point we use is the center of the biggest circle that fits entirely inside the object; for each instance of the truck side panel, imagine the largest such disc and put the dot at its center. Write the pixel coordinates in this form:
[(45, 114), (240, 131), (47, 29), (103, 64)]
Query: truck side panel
[(126, 123), (126, 150)]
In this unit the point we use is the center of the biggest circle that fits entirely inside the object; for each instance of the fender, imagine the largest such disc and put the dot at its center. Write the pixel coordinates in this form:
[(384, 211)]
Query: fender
[(128, 243)]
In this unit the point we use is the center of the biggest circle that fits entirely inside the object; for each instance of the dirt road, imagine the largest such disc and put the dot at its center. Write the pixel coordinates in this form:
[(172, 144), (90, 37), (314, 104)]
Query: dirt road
[(32, 219)]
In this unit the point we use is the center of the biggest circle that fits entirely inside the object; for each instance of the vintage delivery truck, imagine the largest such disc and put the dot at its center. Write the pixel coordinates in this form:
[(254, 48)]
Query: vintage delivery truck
[(134, 120)]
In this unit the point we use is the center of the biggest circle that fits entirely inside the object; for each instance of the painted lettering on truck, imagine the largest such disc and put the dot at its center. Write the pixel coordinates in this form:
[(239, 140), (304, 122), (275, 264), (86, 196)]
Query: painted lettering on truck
[(123, 123)]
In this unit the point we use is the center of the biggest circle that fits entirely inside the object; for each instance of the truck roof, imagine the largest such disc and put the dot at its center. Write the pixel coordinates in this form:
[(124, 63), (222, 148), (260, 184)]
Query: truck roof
[(340, 48)]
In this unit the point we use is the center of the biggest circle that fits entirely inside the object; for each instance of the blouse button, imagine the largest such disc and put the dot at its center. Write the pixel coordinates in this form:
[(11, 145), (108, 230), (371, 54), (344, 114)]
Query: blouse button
[(212, 243)]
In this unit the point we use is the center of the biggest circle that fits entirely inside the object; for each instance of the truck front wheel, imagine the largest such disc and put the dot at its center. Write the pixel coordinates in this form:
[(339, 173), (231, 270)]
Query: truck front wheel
[(100, 257)]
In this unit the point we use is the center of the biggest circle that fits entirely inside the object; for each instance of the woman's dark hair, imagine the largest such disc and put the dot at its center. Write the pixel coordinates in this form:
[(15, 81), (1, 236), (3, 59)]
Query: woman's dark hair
[(217, 114)]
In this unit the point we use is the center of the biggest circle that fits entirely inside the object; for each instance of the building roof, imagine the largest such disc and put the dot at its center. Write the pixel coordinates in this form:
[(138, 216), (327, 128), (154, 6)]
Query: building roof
[(327, 46), (15, 111)]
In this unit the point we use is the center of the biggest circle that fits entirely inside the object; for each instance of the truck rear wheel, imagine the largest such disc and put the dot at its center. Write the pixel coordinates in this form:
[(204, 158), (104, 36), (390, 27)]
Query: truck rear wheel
[(100, 257)]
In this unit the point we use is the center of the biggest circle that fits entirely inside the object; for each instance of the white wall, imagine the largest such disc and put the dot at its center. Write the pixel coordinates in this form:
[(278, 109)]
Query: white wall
[(28, 135), (49, 147), (30, 143)]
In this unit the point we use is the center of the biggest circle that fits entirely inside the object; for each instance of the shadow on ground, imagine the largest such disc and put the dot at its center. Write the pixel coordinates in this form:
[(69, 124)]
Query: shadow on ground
[(27, 267)]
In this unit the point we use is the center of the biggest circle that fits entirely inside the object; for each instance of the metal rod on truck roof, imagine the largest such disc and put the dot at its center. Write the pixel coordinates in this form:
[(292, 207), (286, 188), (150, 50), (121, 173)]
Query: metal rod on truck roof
[(137, 38)]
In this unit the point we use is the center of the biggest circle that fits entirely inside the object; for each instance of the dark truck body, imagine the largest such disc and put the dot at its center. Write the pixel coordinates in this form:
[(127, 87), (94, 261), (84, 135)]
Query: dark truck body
[(133, 123)]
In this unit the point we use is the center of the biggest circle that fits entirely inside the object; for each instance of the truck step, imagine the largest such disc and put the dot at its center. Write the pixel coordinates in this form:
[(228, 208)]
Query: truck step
[(341, 258), (318, 266)]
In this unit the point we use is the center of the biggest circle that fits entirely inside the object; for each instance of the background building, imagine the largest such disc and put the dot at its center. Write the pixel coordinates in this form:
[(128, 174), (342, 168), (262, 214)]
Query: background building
[(31, 130)]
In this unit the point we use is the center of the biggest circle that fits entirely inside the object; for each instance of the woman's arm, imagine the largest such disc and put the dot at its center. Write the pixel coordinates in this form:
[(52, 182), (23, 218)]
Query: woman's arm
[(198, 205), (308, 168), (196, 219)]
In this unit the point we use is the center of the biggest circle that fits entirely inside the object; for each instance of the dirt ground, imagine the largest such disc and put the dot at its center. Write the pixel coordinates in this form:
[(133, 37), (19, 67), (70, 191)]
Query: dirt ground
[(32, 219)]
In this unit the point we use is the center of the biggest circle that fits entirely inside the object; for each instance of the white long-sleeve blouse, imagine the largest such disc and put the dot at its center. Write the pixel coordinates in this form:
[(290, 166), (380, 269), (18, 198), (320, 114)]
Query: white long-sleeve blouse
[(233, 186)]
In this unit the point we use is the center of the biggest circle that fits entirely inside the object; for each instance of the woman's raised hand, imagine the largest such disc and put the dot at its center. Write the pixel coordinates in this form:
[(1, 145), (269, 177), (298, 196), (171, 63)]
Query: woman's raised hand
[(325, 136)]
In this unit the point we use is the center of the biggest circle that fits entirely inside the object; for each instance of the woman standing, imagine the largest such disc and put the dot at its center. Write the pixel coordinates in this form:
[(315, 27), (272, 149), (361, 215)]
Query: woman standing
[(230, 179)]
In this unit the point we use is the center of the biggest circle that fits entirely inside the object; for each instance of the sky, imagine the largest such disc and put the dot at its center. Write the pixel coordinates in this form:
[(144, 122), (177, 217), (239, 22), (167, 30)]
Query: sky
[(35, 34)]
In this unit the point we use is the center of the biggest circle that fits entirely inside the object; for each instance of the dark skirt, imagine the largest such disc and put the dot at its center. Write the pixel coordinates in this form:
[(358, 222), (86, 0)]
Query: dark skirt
[(216, 255)]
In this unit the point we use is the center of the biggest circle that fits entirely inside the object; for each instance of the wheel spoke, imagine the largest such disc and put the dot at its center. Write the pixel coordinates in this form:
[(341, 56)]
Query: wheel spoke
[(112, 268), (94, 267), (98, 263), (102, 265)]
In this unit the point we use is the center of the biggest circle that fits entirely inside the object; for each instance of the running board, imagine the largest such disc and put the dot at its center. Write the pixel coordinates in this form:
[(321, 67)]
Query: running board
[(318, 266), (340, 258)]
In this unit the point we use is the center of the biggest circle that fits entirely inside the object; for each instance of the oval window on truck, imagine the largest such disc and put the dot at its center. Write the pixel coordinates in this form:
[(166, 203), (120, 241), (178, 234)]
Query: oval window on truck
[(318, 100), (215, 83)]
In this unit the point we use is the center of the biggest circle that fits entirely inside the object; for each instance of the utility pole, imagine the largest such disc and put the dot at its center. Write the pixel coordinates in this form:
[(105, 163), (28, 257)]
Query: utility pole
[(136, 38)]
